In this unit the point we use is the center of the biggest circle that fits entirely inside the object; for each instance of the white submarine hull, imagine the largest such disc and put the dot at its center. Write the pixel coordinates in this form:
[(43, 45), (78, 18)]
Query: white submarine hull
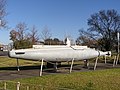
[(59, 53)]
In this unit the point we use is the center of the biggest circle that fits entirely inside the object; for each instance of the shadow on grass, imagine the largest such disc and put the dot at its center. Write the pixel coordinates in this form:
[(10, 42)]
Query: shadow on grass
[(37, 67), (61, 68), (21, 68)]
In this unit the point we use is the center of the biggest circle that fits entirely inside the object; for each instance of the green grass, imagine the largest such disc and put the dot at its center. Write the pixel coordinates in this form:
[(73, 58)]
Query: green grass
[(92, 80), (108, 79), (101, 80), (10, 62)]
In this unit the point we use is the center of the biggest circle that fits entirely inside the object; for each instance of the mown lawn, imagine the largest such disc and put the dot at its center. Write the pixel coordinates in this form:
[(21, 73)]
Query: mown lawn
[(108, 79), (10, 62), (92, 80)]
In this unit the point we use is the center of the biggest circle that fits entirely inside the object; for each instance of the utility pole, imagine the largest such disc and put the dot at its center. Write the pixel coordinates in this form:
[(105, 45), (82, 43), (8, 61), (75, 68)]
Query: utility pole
[(118, 35)]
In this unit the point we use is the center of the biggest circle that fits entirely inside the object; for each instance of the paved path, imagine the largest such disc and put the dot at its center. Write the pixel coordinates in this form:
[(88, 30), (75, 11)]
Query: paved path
[(12, 73)]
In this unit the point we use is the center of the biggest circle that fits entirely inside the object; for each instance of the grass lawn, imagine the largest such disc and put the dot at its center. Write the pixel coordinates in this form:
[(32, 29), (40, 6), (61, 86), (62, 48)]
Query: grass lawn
[(92, 80), (108, 79), (10, 62)]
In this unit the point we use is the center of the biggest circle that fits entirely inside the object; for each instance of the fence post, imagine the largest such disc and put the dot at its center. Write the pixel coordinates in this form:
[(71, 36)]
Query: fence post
[(5, 86), (27, 87), (18, 85)]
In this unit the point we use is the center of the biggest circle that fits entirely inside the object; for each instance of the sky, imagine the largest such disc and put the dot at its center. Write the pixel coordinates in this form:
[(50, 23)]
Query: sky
[(62, 17)]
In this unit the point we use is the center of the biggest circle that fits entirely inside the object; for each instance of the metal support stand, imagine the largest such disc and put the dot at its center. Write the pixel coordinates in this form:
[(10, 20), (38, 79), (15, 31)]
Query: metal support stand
[(71, 65), (40, 74), (86, 64), (117, 59), (18, 65), (114, 61), (105, 59), (55, 66), (95, 63)]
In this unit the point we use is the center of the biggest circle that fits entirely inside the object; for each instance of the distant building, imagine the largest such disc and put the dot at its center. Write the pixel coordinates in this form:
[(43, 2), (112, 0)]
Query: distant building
[(39, 43), (3, 47)]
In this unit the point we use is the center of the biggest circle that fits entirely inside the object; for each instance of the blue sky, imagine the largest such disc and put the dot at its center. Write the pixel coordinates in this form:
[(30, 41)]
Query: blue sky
[(62, 17)]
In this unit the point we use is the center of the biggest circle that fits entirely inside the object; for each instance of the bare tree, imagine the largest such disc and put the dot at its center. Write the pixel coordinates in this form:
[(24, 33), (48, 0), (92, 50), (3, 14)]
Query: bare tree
[(18, 36), (54, 41), (19, 32), (13, 35), (87, 38), (45, 34), (106, 24), (21, 28), (33, 35), (3, 13)]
